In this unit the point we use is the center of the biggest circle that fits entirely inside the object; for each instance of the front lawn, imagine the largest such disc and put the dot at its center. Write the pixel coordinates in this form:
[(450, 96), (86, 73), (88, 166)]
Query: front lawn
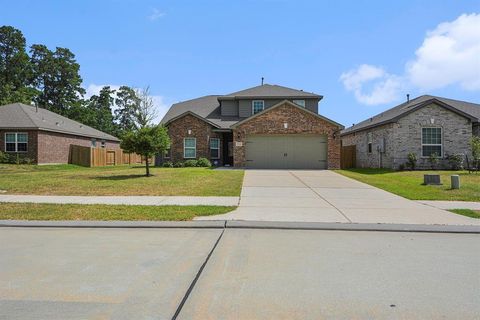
[(118, 180), (37, 211), (467, 212), (408, 184)]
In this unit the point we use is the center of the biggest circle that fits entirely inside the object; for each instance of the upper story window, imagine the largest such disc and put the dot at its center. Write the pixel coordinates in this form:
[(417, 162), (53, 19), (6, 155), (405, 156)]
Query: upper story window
[(16, 142), (257, 106), (301, 103), (103, 144), (94, 143), (369, 142), (189, 148), (431, 142)]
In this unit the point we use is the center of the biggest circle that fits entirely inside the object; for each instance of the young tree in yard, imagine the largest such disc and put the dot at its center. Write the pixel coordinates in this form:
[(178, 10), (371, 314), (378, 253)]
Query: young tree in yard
[(147, 142), (475, 143)]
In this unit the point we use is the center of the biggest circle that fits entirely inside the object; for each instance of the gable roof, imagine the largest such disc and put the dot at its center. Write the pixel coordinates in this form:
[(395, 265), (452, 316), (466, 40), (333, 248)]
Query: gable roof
[(22, 116), (463, 108), (270, 91), (208, 107), (291, 104)]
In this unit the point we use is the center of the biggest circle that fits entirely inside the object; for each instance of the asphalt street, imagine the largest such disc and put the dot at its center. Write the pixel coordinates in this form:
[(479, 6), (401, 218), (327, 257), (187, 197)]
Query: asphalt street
[(150, 273)]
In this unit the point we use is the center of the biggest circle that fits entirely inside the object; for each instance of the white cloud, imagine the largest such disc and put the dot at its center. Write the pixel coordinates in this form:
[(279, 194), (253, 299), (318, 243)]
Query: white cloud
[(160, 102), (156, 14), (385, 86), (449, 55)]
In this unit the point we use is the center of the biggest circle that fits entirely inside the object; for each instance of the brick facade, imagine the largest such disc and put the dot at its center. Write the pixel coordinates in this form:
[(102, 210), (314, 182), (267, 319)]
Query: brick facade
[(199, 129), (299, 122), (51, 147), (405, 136)]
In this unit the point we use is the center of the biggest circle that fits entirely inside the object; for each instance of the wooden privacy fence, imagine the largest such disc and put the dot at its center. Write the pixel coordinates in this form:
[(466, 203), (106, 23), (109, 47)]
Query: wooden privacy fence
[(348, 157), (97, 157)]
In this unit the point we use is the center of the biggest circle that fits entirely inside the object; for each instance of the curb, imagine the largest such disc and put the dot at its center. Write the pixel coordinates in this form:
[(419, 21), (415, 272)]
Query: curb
[(238, 224), (215, 224)]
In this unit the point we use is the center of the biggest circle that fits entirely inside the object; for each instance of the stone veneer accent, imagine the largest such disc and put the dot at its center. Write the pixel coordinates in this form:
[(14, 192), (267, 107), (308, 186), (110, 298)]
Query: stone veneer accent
[(405, 136), (201, 130), (51, 147), (299, 122)]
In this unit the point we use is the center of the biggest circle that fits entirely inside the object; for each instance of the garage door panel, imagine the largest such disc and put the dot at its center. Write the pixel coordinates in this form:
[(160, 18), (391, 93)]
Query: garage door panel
[(286, 151)]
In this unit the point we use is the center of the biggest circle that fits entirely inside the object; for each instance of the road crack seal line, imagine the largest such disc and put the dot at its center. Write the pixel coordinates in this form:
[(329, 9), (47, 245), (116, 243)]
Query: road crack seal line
[(306, 185), (199, 273)]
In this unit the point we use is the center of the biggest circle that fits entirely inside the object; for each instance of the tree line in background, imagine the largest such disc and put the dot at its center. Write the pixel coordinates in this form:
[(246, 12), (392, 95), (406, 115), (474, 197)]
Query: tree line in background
[(51, 80)]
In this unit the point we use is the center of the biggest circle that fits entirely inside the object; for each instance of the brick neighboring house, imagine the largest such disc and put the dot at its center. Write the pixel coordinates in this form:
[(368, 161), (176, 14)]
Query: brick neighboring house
[(44, 136), (267, 126), (425, 125)]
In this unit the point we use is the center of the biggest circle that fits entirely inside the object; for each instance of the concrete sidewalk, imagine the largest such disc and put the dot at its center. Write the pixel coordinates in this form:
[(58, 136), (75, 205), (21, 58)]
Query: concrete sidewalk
[(124, 200), (447, 205)]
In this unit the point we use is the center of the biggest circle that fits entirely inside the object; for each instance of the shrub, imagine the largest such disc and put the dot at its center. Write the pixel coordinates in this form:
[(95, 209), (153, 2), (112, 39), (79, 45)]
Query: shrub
[(203, 162), (475, 143), (191, 163), (26, 160), (4, 157), (167, 164), (433, 159), (401, 167), (412, 160), (456, 161), (178, 165)]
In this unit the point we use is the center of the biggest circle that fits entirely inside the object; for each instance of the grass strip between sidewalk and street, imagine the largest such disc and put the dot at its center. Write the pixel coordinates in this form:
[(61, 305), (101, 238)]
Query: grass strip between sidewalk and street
[(43, 211), (467, 212)]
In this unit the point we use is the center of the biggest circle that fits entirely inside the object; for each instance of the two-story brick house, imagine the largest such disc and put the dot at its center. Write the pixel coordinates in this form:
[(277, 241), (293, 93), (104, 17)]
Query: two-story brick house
[(267, 126)]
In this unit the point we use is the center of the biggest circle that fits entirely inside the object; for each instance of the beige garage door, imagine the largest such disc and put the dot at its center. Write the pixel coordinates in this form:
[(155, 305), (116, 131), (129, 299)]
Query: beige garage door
[(286, 151)]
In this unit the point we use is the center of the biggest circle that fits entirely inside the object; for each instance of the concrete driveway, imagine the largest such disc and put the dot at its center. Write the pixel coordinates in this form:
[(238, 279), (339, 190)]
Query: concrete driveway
[(326, 196)]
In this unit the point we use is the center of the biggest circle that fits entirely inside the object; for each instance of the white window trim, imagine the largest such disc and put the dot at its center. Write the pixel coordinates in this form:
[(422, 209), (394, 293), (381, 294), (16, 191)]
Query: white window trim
[(16, 141), (185, 148), (253, 106), (298, 104), (210, 145), (431, 144)]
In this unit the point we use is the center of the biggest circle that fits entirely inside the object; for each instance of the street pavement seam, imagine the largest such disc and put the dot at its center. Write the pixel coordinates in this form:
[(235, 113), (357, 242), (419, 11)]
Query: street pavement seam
[(197, 276), (306, 185)]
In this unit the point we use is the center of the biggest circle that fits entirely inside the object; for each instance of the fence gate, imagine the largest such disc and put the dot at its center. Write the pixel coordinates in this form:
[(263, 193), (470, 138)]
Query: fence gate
[(110, 158), (348, 157)]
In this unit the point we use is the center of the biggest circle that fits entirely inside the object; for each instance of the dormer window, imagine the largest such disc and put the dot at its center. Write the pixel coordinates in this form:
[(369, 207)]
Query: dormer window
[(301, 103), (257, 106)]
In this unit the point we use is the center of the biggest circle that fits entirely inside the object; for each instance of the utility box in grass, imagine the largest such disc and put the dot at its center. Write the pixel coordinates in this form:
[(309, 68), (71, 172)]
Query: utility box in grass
[(431, 179)]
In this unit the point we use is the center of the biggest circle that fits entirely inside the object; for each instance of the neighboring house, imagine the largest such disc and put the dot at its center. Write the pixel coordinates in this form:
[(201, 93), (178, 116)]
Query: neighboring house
[(422, 126), (44, 136), (267, 126)]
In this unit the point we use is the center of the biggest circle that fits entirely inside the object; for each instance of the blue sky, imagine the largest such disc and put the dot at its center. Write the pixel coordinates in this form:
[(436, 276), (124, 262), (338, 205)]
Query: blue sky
[(363, 56)]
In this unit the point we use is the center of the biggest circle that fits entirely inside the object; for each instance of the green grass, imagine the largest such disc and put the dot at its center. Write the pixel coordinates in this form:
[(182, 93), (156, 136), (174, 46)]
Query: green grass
[(409, 184), (37, 211), (467, 212), (118, 180)]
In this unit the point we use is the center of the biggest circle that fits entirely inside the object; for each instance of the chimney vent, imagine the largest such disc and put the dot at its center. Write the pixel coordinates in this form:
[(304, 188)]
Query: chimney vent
[(408, 97), (262, 80)]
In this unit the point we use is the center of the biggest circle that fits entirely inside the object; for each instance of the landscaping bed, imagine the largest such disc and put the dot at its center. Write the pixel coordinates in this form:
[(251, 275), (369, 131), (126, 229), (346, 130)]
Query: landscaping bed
[(118, 180), (409, 184), (37, 211)]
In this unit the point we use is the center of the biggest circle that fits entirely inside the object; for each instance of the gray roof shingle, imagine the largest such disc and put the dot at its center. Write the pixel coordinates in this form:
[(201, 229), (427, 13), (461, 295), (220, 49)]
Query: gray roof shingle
[(22, 116), (270, 91), (208, 107), (471, 110)]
